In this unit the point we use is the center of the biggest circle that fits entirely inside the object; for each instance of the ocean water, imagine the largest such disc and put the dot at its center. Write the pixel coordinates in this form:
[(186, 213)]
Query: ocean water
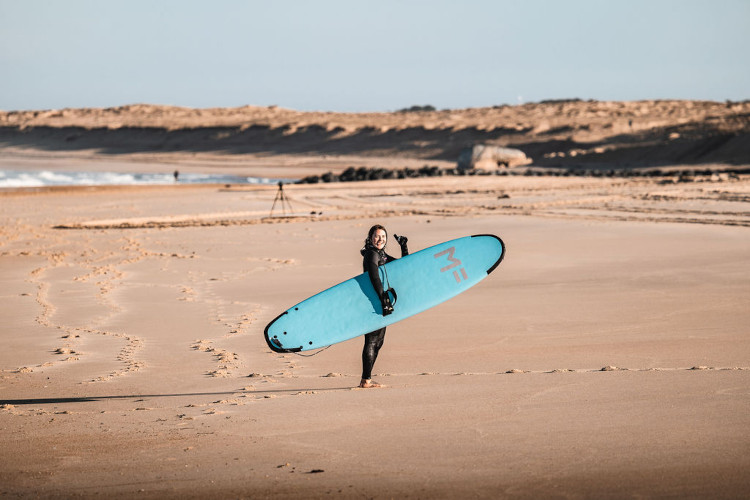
[(41, 178)]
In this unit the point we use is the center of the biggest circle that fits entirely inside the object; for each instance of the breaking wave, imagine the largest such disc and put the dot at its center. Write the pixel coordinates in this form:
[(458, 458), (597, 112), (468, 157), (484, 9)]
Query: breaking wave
[(42, 178)]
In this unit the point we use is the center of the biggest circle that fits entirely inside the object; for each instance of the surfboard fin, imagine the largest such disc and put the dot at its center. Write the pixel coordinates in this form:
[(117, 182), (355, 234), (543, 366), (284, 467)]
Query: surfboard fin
[(276, 346)]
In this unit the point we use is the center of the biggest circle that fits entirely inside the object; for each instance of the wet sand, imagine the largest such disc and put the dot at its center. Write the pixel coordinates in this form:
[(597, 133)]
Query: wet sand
[(607, 357)]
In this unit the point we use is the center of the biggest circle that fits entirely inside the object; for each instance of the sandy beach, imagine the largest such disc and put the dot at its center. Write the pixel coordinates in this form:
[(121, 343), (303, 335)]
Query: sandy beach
[(154, 280), (607, 357)]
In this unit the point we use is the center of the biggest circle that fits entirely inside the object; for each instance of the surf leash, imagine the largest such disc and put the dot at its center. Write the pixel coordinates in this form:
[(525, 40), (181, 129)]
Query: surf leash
[(388, 285), (311, 355)]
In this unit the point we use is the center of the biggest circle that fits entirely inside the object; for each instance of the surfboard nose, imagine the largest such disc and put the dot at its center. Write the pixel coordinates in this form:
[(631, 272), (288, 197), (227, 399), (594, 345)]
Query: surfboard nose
[(492, 246)]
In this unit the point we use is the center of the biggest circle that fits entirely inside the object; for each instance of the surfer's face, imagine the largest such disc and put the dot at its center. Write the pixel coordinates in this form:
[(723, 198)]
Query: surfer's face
[(378, 239)]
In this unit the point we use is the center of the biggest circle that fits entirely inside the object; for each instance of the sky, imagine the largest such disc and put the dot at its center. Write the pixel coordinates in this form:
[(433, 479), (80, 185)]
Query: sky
[(358, 55)]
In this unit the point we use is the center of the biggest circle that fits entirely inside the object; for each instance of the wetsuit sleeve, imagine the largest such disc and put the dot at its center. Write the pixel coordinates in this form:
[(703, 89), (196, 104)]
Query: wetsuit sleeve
[(371, 266)]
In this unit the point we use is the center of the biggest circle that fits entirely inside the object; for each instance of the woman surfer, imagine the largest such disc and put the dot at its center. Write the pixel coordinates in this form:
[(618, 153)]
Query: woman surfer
[(374, 256)]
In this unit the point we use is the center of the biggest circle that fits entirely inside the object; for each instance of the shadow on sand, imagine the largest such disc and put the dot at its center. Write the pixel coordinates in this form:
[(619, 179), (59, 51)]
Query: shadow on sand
[(90, 399)]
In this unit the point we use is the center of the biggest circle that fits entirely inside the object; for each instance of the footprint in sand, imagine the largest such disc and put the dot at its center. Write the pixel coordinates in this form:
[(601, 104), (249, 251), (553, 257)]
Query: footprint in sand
[(188, 294), (228, 361), (126, 356)]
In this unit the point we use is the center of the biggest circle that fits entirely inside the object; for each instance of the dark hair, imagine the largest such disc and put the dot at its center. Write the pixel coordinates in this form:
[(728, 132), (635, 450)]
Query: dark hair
[(368, 241)]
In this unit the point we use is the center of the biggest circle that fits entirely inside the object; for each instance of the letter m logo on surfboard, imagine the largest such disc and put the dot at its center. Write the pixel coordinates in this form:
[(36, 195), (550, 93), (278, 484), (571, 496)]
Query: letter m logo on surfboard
[(454, 262), (422, 280)]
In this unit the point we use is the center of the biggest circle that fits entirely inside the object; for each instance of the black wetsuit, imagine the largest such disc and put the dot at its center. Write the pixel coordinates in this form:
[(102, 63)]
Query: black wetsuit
[(374, 340)]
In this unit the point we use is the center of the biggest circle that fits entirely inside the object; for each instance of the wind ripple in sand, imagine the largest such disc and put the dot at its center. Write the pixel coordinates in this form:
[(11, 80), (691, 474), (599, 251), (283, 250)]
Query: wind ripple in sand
[(250, 394), (607, 368), (161, 224), (636, 199)]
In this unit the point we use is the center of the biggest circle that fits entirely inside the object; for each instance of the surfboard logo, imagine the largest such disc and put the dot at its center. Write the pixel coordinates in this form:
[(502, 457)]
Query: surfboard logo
[(454, 262)]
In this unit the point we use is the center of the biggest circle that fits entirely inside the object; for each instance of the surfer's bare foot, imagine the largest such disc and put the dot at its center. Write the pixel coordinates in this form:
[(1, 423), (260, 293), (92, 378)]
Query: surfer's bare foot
[(368, 384)]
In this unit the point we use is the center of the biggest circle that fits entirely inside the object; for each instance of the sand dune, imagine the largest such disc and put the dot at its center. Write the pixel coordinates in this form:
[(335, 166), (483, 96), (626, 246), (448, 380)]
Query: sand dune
[(554, 133)]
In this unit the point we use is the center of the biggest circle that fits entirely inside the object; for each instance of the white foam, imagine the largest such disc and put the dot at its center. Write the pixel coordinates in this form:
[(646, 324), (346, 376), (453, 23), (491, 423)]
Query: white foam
[(40, 178)]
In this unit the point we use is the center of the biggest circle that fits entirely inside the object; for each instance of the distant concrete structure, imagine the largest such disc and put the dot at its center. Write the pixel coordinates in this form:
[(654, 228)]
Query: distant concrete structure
[(486, 156)]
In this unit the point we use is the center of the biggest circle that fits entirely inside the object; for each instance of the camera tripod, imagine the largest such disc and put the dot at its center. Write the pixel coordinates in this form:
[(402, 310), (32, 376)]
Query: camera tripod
[(284, 199)]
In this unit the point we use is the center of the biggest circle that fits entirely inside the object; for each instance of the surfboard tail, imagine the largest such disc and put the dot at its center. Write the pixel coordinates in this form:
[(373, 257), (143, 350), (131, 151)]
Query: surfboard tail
[(274, 343)]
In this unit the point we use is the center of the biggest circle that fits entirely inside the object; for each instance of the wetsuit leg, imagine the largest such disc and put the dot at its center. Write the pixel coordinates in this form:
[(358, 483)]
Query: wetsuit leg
[(373, 343)]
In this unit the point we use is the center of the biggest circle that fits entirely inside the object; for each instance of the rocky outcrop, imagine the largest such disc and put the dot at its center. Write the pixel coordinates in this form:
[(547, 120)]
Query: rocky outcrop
[(487, 156)]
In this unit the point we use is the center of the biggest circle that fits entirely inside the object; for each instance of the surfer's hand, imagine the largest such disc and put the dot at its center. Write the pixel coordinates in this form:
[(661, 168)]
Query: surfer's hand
[(385, 301), (402, 243)]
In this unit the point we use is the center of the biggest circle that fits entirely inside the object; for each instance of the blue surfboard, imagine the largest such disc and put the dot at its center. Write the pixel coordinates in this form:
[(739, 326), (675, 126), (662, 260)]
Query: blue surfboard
[(421, 280)]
